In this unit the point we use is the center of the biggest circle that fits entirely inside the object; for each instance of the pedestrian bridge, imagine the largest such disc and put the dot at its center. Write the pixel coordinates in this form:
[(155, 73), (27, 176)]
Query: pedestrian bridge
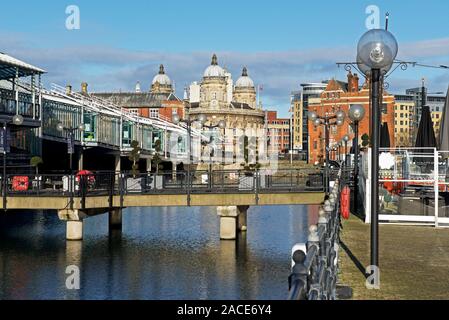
[(102, 190)]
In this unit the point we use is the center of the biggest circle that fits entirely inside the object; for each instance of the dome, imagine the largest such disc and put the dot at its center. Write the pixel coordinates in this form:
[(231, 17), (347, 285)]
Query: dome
[(161, 77), (214, 70), (244, 81)]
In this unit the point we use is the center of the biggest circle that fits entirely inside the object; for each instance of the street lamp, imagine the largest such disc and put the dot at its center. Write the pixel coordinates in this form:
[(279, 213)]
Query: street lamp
[(377, 49), (328, 120), (345, 142), (70, 139), (220, 125), (17, 120), (356, 114)]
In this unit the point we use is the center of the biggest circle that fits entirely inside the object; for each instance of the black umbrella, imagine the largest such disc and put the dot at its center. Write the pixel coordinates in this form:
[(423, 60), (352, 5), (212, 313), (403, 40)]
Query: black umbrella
[(444, 128), (385, 136), (426, 135)]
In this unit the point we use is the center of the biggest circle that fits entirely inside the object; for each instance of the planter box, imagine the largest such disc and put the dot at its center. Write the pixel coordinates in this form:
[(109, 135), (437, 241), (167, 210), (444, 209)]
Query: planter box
[(134, 184)]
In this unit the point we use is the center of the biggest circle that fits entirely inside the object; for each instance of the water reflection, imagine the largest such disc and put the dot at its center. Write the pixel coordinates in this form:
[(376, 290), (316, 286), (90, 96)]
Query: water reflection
[(162, 253)]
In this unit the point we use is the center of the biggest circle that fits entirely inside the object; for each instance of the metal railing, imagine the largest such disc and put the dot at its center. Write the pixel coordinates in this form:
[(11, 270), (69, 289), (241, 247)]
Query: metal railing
[(315, 263), (85, 184)]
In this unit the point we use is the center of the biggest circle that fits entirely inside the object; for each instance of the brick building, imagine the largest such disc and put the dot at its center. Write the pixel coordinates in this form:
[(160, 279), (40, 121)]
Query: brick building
[(159, 102), (340, 96), (279, 132)]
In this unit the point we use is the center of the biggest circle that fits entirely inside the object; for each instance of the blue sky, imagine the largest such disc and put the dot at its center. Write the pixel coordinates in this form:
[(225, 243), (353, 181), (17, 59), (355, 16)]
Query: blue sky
[(283, 43)]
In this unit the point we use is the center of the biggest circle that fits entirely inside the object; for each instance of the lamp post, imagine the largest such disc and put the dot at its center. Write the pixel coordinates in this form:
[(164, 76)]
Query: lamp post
[(376, 51), (345, 141), (221, 125), (17, 120), (328, 120), (356, 114), (70, 139)]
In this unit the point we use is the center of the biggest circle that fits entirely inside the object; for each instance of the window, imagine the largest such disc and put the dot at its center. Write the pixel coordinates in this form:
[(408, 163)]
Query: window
[(154, 113)]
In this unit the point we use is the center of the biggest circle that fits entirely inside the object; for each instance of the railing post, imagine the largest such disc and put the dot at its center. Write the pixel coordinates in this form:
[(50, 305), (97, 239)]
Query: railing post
[(297, 281), (313, 241)]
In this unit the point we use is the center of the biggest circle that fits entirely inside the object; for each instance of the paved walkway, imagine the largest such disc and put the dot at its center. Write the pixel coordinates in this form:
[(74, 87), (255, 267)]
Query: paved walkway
[(414, 261)]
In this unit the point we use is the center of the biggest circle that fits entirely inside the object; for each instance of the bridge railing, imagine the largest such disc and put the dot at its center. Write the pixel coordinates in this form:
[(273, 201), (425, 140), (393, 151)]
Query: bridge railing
[(315, 263), (86, 183)]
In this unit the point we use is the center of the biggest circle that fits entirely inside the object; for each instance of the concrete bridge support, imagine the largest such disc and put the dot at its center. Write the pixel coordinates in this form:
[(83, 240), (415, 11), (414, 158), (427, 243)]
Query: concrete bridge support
[(74, 230), (74, 223), (232, 220), (115, 219)]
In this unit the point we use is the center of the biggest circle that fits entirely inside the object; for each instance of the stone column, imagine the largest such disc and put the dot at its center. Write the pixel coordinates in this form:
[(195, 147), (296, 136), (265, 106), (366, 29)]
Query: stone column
[(74, 223), (81, 160), (74, 230), (228, 222), (115, 219), (242, 212), (148, 162), (118, 163)]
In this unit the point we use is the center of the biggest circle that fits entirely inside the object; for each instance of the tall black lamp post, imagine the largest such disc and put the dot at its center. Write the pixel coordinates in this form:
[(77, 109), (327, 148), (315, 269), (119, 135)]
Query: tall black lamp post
[(70, 139), (328, 120), (356, 114), (220, 125), (17, 120), (376, 52), (345, 141)]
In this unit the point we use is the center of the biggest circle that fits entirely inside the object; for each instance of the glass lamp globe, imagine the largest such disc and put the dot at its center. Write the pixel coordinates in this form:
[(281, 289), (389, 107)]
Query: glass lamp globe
[(202, 118), (367, 70), (312, 115), (340, 122), (317, 122), (222, 124), (356, 112), (81, 127), (176, 119), (17, 120), (377, 48), (60, 127), (340, 115), (346, 138)]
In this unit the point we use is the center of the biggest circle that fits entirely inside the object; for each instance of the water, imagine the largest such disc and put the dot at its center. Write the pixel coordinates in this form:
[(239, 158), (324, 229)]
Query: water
[(162, 253)]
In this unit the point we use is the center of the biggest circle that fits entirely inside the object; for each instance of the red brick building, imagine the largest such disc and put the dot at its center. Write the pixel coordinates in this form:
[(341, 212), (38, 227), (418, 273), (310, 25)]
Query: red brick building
[(279, 132), (340, 96)]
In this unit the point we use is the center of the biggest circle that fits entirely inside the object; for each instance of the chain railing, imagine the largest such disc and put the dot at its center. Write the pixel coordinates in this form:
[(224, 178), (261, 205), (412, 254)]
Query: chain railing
[(315, 263)]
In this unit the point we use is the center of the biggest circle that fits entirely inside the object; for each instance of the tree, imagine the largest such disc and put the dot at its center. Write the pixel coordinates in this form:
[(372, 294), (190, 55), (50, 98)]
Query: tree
[(36, 162), (365, 140), (134, 156), (156, 157), (247, 166)]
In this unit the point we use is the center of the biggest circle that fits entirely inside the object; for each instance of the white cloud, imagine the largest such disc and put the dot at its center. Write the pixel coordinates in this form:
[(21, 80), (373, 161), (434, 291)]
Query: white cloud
[(113, 69)]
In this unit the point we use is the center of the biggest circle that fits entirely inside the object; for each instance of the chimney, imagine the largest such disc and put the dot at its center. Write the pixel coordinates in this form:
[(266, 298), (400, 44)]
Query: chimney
[(350, 81), (68, 89), (84, 88), (356, 82)]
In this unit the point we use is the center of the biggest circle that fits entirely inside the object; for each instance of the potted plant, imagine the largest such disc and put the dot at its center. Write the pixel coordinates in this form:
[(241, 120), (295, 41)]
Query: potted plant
[(156, 160), (35, 162), (246, 182), (134, 183)]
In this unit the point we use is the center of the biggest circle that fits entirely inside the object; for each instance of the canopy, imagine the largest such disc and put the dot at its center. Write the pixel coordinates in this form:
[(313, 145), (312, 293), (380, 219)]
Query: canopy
[(385, 136), (10, 67)]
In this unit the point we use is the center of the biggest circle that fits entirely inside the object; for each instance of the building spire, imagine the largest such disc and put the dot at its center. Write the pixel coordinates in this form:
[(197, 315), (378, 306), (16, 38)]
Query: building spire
[(244, 72), (161, 69), (214, 60)]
